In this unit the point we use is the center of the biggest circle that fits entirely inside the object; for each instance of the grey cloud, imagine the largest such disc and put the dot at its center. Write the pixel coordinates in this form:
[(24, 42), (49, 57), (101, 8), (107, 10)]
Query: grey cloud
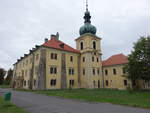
[(25, 23)]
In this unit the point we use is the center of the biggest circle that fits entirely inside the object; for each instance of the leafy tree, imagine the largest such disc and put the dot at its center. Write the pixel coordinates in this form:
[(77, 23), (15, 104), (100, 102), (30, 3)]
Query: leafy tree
[(139, 60), (2, 74), (9, 76)]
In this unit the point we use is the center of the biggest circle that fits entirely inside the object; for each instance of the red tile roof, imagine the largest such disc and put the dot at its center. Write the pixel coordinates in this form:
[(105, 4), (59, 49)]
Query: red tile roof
[(115, 59), (57, 44)]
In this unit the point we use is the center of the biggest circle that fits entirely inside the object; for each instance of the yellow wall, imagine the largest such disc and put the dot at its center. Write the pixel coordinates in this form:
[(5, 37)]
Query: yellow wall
[(115, 81), (25, 66), (88, 52), (57, 63)]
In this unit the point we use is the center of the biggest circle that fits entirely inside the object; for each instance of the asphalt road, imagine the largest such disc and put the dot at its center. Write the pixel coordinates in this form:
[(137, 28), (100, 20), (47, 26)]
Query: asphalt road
[(37, 103)]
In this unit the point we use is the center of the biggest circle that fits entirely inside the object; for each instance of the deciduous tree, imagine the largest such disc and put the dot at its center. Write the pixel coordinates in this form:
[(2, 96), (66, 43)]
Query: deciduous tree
[(139, 60)]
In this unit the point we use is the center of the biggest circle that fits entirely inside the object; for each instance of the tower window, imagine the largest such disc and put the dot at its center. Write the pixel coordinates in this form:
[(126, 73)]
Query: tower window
[(94, 45), (81, 45)]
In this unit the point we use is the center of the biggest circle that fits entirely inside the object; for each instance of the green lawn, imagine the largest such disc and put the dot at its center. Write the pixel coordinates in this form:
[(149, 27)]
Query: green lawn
[(8, 107), (136, 99), (4, 86)]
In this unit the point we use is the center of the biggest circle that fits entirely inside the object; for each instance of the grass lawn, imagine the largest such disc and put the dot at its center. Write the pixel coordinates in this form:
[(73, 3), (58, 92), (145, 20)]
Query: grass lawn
[(136, 99), (4, 86), (8, 107)]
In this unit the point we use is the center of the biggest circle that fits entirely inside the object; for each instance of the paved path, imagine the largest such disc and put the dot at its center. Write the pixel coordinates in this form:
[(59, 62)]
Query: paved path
[(37, 103)]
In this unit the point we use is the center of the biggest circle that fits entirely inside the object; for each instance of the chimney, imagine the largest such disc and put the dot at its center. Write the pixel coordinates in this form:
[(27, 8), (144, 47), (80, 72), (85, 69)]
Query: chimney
[(55, 36), (46, 39)]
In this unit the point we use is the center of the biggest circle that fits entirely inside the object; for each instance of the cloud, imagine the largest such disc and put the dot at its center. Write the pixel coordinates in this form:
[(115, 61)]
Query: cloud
[(25, 23)]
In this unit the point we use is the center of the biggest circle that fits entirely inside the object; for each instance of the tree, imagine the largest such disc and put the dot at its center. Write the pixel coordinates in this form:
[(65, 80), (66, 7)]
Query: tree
[(9, 77), (2, 74), (139, 60)]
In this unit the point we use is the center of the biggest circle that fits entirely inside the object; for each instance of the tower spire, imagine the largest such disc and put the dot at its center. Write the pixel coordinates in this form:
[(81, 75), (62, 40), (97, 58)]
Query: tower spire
[(86, 5), (87, 15)]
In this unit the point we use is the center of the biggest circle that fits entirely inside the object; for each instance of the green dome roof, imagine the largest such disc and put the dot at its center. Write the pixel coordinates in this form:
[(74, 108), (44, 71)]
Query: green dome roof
[(87, 28)]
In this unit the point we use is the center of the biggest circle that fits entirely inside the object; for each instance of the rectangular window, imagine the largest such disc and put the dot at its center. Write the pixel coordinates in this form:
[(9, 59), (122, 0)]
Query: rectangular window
[(92, 59), (26, 62), (83, 71), (98, 72), (28, 82), (106, 72), (37, 56), (97, 59), (71, 82), (114, 71), (25, 83), (93, 71), (106, 82), (53, 82), (71, 58), (54, 56), (53, 70), (30, 60), (123, 70), (83, 59), (71, 71), (34, 82), (125, 83)]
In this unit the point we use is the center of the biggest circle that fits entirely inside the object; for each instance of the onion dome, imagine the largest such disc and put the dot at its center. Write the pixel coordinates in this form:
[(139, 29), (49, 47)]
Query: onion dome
[(87, 27)]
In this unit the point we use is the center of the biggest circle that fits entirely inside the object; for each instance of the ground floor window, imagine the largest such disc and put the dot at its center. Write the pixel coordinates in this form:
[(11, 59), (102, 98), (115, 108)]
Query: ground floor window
[(53, 82), (28, 82), (106, 82), (98, 83), (25, 83), (125, 83), (71, 82), (94, 83), (34, 82)]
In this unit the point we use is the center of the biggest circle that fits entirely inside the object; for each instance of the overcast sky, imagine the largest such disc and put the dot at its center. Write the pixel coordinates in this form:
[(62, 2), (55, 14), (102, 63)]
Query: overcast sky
[(25, 23)]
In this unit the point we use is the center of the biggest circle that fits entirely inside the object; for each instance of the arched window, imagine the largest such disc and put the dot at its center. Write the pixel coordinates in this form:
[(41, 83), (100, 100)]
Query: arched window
[(81, 45), (94, 45)]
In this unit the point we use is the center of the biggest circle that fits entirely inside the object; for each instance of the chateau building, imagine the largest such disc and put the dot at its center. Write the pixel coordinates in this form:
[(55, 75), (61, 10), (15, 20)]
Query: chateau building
[(56, 65)]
